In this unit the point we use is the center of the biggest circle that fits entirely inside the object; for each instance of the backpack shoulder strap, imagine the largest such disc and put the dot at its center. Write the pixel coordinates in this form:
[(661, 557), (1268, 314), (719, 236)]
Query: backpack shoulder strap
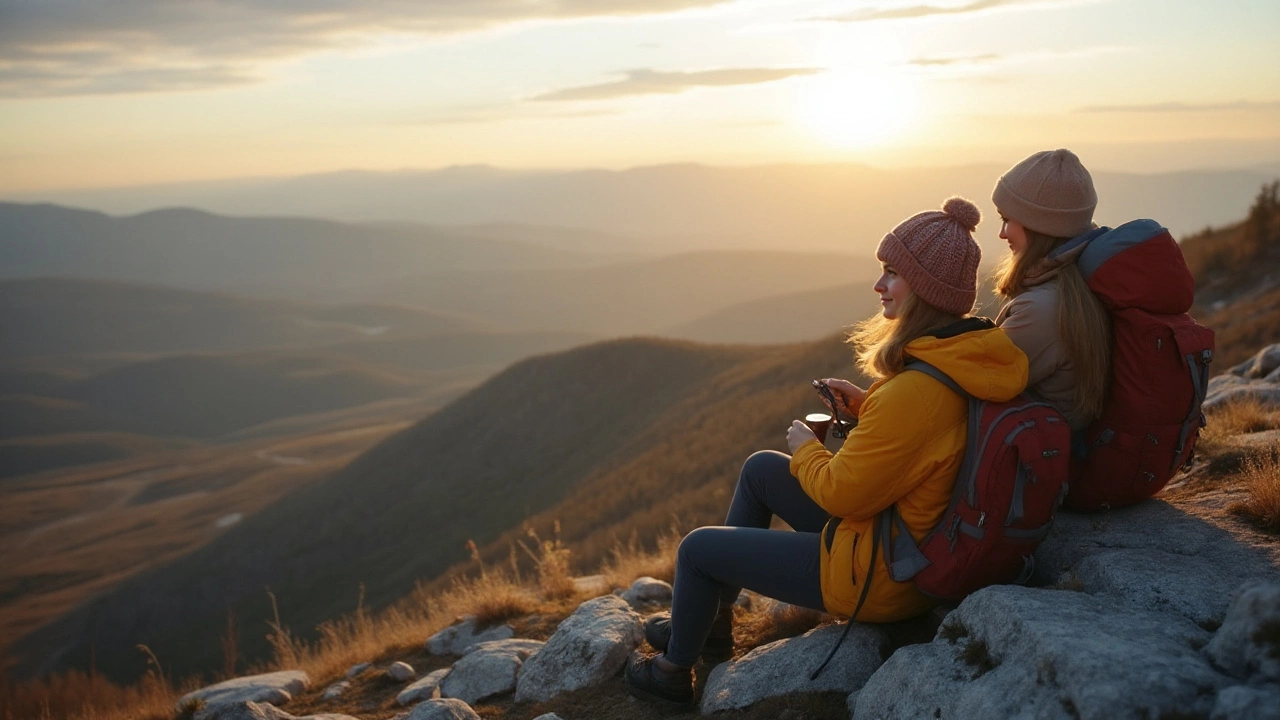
[(936, 374)]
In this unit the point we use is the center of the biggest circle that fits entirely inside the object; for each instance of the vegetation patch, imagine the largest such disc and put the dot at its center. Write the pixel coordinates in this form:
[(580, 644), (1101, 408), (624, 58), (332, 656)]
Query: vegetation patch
[(1261, 479), (978, 656), (952, 631)]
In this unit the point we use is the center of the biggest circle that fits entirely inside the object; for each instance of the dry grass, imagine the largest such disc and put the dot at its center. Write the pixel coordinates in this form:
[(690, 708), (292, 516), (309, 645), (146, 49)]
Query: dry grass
[(1238, 418), (765, 621), (628, 561), (1261, 478)]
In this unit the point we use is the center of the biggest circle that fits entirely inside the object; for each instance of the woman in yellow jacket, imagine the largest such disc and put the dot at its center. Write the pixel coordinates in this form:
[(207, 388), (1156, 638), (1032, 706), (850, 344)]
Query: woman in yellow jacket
[(906, 449)]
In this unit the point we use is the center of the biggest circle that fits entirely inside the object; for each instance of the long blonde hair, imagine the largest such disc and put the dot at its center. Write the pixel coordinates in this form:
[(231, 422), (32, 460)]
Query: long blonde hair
[(1084, 327), (880, 343)]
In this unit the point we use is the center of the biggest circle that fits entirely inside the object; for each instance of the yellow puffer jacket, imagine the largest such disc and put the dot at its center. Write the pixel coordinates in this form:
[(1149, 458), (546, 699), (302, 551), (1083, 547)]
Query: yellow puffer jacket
[(907, 450)]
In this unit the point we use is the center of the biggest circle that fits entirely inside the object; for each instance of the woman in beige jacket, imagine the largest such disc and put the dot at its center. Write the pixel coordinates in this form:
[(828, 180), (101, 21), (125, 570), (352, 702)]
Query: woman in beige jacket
[(1044, 202)]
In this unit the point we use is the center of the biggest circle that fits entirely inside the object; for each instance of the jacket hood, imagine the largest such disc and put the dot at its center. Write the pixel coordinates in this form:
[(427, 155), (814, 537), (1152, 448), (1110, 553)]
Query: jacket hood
[(979, 356)]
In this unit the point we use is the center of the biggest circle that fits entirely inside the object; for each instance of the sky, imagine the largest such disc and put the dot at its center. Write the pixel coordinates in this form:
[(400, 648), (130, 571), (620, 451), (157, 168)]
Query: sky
[(119, 93)]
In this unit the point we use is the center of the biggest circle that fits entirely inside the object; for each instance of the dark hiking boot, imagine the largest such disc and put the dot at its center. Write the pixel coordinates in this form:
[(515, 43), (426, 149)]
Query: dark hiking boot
[(645, 680), (657, 631)]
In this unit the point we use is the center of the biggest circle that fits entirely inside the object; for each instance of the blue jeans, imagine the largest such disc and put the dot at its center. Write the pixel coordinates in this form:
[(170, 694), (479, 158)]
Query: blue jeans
[(715, 563)]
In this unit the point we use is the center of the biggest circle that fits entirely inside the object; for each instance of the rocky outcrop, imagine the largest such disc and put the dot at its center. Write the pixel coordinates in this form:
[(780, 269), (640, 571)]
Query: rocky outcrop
[(1256, 378), (1248, 644), (425, 689), (784, 667), (401, 672), (443, 709), (274, 688), (1010, 651), (488, 669), (647, 591), (589, 647), (457, 639)]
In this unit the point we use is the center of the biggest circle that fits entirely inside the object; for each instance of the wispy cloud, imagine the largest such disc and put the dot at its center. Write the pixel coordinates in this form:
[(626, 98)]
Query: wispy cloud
[(73, 47), (920, 11), (956, 60), (1181, 107), (651, 82)]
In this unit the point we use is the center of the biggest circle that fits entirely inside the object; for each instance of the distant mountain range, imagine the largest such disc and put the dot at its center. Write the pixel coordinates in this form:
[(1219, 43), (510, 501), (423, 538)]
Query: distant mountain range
[(669, 208)]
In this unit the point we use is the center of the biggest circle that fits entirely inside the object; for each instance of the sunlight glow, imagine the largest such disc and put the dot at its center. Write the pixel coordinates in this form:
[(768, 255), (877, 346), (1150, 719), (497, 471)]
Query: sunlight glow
[(858, 107)]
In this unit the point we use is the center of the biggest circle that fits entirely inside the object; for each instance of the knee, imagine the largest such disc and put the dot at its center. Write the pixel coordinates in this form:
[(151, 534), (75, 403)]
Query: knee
[(694, 545), (764, 463)]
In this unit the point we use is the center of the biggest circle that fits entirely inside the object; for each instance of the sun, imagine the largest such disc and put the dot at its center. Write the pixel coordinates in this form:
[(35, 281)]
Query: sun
[(858, 107)]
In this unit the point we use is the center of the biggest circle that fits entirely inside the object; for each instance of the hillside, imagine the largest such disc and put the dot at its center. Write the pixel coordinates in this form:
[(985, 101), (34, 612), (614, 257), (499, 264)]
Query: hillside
[(610, 438), (1237, 272), (669, 208), (197, 250), (785, 318), (79, 316), (640, 297)]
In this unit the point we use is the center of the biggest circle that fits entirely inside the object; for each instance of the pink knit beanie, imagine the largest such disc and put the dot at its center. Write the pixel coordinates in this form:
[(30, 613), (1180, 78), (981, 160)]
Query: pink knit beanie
[(1049, 192), (935, 253)]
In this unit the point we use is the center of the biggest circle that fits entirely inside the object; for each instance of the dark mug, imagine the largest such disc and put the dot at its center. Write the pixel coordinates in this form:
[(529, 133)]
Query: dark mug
[(819, 423)]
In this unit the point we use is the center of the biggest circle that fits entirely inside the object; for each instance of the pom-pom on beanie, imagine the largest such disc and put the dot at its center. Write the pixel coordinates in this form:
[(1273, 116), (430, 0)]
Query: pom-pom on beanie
[(1049, 192), (935, 253)]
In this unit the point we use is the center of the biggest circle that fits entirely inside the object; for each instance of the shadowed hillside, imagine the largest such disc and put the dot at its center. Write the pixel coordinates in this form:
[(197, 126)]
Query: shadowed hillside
[(1237, 271), (612, 438), (785, 318)]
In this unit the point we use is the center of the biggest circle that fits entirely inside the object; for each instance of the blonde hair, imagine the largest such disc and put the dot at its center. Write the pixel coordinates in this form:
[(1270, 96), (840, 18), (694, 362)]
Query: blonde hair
[(880, 343), (1084, 327)]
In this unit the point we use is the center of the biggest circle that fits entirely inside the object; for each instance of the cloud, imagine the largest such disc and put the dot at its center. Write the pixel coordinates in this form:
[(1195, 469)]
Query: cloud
[(1181, 107), (957, 60), (72, 47), (919, 11), (651, 82)]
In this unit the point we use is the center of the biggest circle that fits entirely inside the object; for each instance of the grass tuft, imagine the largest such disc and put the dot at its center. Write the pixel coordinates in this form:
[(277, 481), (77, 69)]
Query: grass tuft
[(977, 655), (953, 631), (1261, 478), (628, 561)]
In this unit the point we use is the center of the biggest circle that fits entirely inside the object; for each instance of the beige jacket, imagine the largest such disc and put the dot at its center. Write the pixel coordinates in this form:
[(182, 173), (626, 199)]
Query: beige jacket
[(1031, 321)]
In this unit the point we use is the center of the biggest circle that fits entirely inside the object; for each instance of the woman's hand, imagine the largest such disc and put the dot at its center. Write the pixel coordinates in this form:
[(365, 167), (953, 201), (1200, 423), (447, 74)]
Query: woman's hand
[(849, 395), (797, 435)]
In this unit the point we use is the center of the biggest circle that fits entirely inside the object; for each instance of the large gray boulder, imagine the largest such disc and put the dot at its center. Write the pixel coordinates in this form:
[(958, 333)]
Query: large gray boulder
[(258, 711), (1015, 652), (457, 639), (443, 709), (1151, 556), (274, 688), (1256, 378), (647, 590), (488, 669), (1247, 646), (784, 667), (590, 646), (1247, 703)]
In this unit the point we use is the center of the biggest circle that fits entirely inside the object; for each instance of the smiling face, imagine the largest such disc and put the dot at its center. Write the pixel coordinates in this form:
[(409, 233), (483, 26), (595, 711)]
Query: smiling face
[(893, 291), (1015, 233)]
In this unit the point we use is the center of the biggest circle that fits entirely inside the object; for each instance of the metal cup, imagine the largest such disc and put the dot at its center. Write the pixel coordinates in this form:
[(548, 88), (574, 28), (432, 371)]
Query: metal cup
[(819, 423)]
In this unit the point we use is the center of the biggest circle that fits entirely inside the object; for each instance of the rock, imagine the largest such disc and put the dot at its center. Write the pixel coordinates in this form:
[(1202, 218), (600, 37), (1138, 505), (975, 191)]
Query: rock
[(784, 667), (1011, 651), (401, 672), (590, 646), (591, 585), (275, 688), (241, 710), (647, 590), (357, 669), (1150, 555), (424, 689), (456, 639), (1247, 646), (488, 669), (1247, 703), (548, 716), (443, 709), (335, 690), (1258, 378)]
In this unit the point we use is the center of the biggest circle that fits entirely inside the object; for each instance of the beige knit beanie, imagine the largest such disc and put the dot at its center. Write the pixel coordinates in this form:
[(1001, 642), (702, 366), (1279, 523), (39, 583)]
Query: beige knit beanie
[(935, 253), (1049, 192)]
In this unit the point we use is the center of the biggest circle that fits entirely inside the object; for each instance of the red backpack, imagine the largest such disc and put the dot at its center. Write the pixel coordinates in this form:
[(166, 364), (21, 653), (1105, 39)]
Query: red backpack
[(1159, 368), (1011, 482)]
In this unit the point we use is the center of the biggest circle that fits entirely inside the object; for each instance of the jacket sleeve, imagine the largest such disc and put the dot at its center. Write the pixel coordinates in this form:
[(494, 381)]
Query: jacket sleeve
[(1031, 322), (873, 468)]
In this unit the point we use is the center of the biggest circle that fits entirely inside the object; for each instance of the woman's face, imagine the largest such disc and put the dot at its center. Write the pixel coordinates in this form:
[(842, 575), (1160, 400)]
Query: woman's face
[(1013, 231), (893, 292)]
